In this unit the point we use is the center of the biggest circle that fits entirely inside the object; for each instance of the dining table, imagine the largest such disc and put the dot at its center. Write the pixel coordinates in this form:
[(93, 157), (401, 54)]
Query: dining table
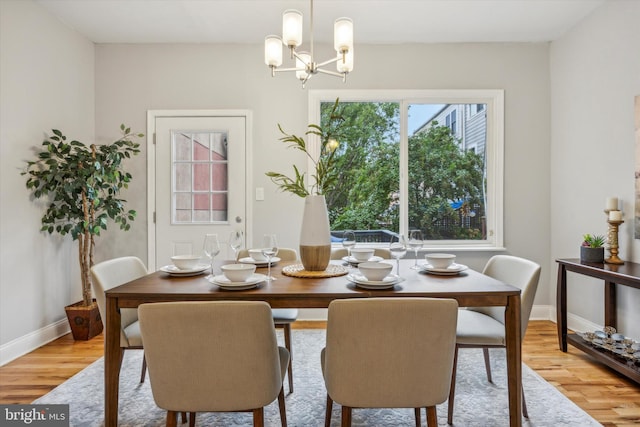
[(469, 288)]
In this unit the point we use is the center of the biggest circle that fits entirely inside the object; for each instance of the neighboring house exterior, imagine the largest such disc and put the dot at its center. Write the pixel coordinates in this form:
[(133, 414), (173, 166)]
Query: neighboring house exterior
[(468, 123)]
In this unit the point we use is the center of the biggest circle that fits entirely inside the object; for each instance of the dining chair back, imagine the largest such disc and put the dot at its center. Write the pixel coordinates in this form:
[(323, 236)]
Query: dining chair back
[(285, 254), (389, 353), (339, 253), (382, 253), (483, 327), (283, 317), (109, 274), (213, 356)]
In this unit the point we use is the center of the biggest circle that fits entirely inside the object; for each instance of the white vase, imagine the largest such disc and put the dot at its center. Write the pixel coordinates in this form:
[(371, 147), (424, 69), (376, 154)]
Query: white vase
[(315, 236)]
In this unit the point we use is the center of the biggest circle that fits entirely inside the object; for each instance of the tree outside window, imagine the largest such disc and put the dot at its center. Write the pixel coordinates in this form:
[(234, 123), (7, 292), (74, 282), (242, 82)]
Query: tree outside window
[(427, 176)]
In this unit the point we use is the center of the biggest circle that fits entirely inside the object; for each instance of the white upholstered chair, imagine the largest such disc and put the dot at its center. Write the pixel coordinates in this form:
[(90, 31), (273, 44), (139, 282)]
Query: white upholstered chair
[(389, 353), (109, 274), (483, 327), (339, 253), (283, 317), (213, 356)]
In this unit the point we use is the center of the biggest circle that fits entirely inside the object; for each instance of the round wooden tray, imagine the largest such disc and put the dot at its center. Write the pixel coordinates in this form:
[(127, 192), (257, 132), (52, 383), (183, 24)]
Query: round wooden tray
[(297, 270)]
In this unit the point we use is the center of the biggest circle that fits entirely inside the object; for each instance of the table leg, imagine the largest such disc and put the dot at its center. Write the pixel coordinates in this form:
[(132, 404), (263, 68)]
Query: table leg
[(561, 307), (610, 315), (514, 359), (112, 362)]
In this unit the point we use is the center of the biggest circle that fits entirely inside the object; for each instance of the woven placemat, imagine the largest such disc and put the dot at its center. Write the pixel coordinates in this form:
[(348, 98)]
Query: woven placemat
[(297, 270)]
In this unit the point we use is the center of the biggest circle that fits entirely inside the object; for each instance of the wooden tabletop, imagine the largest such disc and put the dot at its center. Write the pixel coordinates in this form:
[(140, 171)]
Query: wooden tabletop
[(470, 288)]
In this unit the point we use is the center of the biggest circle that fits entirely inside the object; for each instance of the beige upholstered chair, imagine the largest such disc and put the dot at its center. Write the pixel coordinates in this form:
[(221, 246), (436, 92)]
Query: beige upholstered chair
[(283, 317), (389, 353), (238, 367), (382, 253), (483, 327), (339, 253), (112, 273)]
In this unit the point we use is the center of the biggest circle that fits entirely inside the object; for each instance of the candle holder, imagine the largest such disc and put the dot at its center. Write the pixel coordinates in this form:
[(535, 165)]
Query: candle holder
[(613, 242)]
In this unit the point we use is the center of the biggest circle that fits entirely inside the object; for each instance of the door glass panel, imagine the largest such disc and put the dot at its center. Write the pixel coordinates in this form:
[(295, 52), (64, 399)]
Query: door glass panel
[(200, 176), (182, 147)]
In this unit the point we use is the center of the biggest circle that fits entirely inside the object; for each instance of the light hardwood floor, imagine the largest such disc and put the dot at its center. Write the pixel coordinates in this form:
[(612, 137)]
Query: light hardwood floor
[(606, 396)]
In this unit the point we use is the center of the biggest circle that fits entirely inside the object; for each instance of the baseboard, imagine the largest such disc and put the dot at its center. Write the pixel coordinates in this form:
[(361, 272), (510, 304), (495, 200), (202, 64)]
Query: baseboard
[(574, 322), (27, 343)]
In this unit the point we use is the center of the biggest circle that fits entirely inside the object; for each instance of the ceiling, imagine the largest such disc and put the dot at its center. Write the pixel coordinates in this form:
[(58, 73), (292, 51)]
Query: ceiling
[(375, 21)]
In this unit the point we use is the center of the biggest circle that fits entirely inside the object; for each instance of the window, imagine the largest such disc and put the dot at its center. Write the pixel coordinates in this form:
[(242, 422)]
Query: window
[(199, 177), (418, 159)]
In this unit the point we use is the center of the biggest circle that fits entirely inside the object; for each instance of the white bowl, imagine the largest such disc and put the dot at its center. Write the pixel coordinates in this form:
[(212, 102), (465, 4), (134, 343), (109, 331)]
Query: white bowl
[(375, 271), (185, 262), (238, 272), (362, 254), (256, 255), (440, 260)]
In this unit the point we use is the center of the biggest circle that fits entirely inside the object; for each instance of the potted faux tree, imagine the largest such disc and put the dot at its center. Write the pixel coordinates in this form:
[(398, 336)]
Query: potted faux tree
[(315, 236), (592, 248), (82, 184)]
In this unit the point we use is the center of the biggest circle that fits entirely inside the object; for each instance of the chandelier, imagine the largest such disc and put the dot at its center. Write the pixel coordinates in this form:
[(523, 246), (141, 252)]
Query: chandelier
[(305, 63)]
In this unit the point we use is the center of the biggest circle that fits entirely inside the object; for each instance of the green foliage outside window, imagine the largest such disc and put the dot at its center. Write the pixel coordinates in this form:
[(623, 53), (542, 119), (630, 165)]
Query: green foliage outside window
[(366, 193)]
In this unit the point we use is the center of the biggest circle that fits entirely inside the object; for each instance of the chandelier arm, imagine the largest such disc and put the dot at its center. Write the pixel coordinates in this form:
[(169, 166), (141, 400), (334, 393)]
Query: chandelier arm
[(331, 73), (307, 64), (278, 70), (330, 61)]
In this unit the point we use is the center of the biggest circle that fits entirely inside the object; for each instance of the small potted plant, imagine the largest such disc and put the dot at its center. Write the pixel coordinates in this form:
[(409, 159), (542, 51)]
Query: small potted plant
[(592, 248)]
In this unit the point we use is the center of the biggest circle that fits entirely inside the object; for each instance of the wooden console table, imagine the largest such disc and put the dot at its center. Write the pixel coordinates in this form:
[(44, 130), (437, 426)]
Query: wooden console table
[(627, 274)]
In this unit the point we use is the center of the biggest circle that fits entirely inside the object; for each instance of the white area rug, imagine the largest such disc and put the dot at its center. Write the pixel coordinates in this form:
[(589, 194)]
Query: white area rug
[(478, 403)]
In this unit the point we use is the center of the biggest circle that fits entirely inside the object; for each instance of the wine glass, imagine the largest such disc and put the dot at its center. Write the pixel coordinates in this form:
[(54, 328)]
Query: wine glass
[(236, 239), (415, 243), (398, 249), (211, 248), (348, 241), (269, 250)]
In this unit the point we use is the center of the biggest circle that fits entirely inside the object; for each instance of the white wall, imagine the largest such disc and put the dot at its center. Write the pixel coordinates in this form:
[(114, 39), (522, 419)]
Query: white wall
[(595, 74), (46, 81), (131, 79)]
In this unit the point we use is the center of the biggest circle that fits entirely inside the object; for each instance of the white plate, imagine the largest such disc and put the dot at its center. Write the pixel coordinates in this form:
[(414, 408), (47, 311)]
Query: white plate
[(175, 271), (249, 260), (362, 282), (352, 260), (227, 284), (452, 270)]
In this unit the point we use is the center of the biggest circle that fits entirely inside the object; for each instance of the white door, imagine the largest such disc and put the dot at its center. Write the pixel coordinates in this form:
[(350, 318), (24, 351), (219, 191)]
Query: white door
[(200, 183)]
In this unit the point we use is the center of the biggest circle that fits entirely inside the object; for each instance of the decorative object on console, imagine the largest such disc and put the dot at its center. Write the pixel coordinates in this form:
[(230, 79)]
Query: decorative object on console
[(81, 184), (608, 339), (305, 63), (614, 218), (592, 248), (315, 235)]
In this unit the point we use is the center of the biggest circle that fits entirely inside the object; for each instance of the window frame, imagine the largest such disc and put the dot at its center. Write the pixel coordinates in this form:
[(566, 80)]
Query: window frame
[(494, 149)]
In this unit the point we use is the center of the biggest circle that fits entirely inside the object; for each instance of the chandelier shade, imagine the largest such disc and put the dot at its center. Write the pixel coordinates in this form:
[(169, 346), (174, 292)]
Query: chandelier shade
[(305, 65), (292, 28), (343, 35), (273, 51)]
